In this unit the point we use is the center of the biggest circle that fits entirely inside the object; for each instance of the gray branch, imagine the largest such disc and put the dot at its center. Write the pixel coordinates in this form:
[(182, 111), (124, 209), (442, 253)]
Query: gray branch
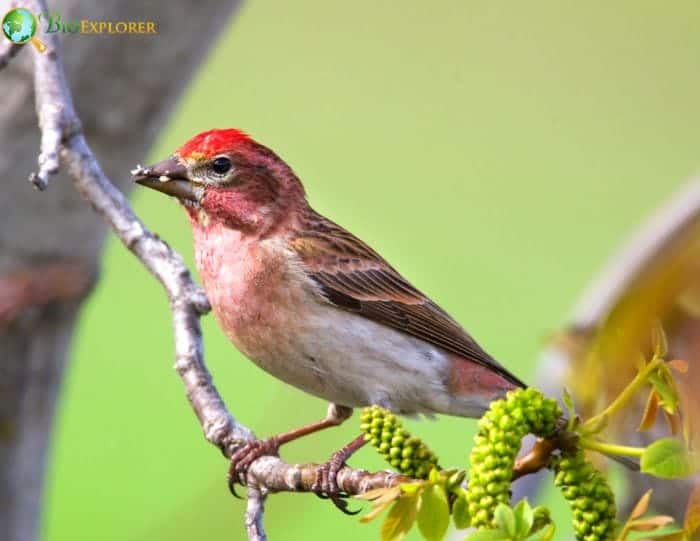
[(7, 52), (254, 513), (63, 138)]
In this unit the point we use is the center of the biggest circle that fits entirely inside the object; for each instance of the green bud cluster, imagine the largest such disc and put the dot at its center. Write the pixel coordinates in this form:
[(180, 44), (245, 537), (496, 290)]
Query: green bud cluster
[(589, 495), (501, 430), (541, 518), (406, 453)]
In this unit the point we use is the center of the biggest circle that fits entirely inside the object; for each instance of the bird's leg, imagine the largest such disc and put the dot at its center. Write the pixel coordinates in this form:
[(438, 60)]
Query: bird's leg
[(326, 485), (251, 451)]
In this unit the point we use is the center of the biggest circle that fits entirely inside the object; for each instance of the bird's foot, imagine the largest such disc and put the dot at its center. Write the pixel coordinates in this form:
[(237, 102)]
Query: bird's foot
[(326, 485), (245, 456)]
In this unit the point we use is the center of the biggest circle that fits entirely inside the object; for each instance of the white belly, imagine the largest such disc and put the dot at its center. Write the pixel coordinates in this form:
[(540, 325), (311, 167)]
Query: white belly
[(353, 361)]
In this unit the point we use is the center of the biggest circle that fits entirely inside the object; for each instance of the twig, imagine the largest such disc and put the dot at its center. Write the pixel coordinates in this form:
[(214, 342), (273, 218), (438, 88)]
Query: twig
[(57, 118), (536, 459), (254, 515), (275, 475)]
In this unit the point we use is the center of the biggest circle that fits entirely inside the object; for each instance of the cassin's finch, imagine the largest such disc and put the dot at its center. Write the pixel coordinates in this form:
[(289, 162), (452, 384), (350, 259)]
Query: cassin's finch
[(312, 304)]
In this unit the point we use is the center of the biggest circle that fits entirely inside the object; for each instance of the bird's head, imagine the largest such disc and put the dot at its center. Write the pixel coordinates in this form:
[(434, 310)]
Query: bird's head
[(224, 176)]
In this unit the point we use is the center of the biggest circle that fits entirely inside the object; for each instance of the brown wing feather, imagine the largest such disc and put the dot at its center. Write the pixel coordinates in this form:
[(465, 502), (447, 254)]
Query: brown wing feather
[(354, 277)]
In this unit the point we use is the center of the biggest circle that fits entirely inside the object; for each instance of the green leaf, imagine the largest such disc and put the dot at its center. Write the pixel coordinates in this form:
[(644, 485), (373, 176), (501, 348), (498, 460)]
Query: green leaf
[(488, 535), (667, 458), (410, 488), (595, 424), (524, 517), (674, 534), (569, 404), (669, 398), (568, 401), (434, 475), (544, 534), (400, 519), (455, 479), (460, 513), (505, 519), (434, 513)]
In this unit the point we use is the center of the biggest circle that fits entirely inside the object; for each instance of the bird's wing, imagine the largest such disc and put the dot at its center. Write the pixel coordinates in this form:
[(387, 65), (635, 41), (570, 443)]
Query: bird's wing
[(354, 277)]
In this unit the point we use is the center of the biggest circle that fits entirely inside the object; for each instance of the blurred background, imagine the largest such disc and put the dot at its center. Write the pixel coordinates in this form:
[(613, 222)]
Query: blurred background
[(496, 153)]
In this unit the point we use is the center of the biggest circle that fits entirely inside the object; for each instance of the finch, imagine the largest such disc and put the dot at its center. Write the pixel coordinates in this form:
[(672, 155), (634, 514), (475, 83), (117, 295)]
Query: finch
[(312, 304)]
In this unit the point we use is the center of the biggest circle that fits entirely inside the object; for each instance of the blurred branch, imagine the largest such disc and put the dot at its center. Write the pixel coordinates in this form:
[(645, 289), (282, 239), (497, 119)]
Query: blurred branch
[(7, 52), (38, 286), (637, 255), (62, 136)]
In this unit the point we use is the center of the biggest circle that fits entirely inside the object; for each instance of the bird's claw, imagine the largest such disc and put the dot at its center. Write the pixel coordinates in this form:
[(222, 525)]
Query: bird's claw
[(326, 485), (245, 456)]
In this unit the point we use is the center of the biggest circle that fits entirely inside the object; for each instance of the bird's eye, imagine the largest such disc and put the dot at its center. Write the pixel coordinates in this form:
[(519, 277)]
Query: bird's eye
[(221, 165)]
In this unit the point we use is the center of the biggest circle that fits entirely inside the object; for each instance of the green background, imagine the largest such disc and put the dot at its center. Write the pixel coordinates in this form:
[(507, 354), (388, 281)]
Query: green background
[(495, 152)]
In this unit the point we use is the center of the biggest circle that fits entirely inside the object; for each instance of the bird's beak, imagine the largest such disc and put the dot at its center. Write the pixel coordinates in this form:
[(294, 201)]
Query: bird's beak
[(169, 177)]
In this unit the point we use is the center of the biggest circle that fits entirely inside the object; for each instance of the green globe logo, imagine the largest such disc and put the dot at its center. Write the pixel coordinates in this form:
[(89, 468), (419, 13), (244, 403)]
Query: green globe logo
[(19, 26)]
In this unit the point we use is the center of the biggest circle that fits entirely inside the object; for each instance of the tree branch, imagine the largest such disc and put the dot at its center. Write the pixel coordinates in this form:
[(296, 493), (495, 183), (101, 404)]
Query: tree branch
[(7, 52), (62, 138), (536, 458), (254, 514), (644, 246)]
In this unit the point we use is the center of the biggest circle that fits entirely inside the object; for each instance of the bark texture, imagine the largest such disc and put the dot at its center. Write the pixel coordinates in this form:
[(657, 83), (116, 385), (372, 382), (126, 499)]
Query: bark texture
[(124, 88)]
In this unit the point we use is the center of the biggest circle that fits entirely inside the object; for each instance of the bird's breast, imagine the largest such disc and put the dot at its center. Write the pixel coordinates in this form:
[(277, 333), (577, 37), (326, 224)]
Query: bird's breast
[(253, 288)]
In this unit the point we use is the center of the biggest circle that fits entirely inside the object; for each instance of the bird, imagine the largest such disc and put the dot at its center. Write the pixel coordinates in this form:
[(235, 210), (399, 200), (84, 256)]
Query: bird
[(311, 303)]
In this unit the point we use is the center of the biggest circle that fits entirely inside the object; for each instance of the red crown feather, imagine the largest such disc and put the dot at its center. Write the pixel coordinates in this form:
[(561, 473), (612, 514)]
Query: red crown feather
[(212, 142)]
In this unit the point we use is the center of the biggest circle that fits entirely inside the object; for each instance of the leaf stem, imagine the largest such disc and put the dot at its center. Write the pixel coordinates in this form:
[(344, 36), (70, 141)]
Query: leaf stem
[(611, 448), (624, 397)]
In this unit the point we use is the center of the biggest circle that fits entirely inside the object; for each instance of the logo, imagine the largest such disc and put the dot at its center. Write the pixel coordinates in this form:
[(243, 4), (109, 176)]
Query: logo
[(56, 24), (19, 26)]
